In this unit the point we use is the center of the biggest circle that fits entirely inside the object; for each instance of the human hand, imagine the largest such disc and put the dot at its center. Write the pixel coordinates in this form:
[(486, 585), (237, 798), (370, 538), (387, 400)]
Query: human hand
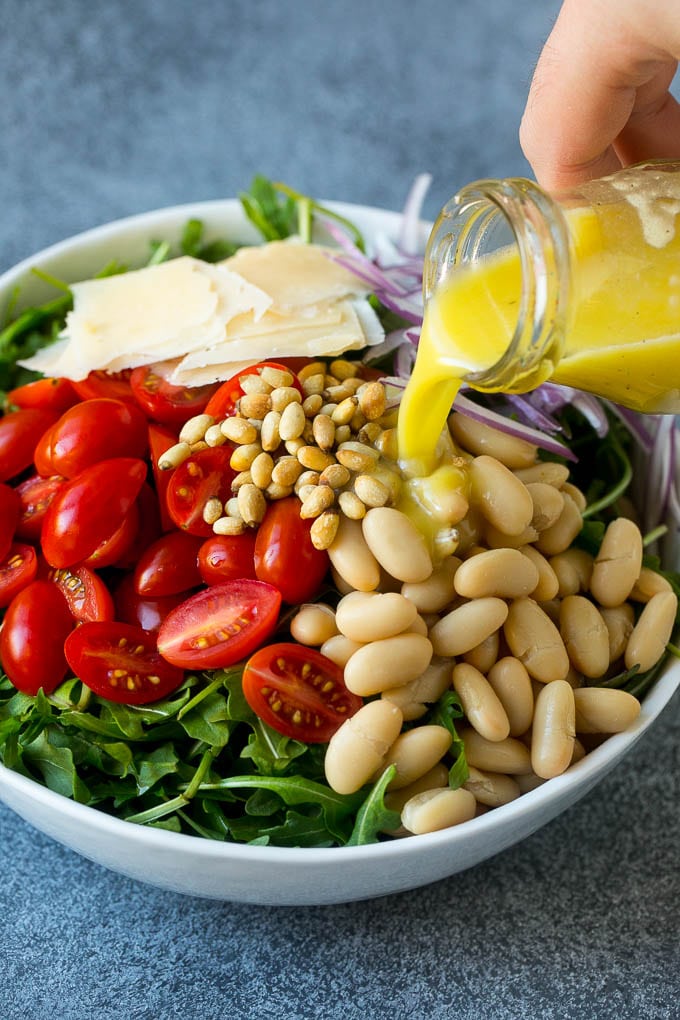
[(600, 99)]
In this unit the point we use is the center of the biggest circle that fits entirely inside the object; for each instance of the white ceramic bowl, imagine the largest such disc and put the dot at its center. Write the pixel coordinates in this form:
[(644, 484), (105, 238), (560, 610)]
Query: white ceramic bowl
[(271, 875)]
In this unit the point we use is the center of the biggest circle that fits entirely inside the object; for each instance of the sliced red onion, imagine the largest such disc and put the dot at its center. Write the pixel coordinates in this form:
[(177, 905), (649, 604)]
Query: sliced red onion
[(633, 422), (531, 415), (404, 360), (397, 338)]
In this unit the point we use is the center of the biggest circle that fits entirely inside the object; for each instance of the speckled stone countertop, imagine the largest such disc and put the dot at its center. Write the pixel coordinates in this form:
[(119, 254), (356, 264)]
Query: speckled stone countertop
[(111, 109)]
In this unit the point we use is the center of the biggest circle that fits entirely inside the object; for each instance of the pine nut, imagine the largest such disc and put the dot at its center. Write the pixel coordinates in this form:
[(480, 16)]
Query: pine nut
[(229, 526), (509, 756), (292, 421), (343, 434), (261, 470), (369, 616), (213, 510), (553, 730), (337, 392), (479, 438), (351, 505), (434, 810), (231, 507), (372, 401), (360, 746), (585, 636), (214, 436), (293, 446), (313, 624), (306, 477), (242, 478), (505, 573), (254, 384), (499, 495), (617, 564), (243, 456), (535, 640), (269, 433), (371, 491), (303, 492), (319, 499), (255, 405), (313, 458), (314, 368), (652, 632), (335, 475), (312, 405), (604, 710), (276, 491), (387, 663), (387, 444), (344, 411), (323, 431), (276, 377), (251, 504), (512, 685), (283, 396), (343, 369), (324, 530), (397, 544), (357, 456), (315, 383), (175, 456), (415, 753), (481, 705), (195, 428), (370, 432), (491, 788), (467, 625)]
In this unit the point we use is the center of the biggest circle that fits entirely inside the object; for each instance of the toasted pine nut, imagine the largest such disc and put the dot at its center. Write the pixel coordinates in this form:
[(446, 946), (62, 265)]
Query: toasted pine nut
[(619, 621), (255, 405), (509, 756), (562, 533), (292, 421), (313, 624), (275, 376), (499, 495), (261, 470), (553, 732), (370, 616), (239, 430), (359, 747), (173, 457), (242, 478), (371, 491), (370, 432), (195, 428), (283, 396), (269, 433), (351, 505), (286, 471), (372, 401), (652, 632), (604, 710), (467, 625), (480, 703), (387, 444), (535, 640), (214, 436), (312, 404), (343, 434), (650, 582), (313, 368), (505, 573), (387, 663), (323, 431), (585, 636), (357, 456), (314, 459), (335, 475), (324, 529), (275, 491), (478, 438), (414, 753), (229, 526), (254, 384), (433, 810), (397, 544), (491, 788), (305, 491), (341, 368), (319, 499), (617, 564), (231, 507), (512, 685), (339, 649), (243, 456), (213, 510), (251, 504), (306, 478)]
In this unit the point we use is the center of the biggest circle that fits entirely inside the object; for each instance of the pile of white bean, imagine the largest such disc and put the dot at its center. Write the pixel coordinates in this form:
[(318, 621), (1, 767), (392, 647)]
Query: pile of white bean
[(518, 621)]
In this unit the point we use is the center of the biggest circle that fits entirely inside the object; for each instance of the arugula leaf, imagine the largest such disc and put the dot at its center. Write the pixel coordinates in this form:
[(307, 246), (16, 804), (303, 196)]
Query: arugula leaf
[(373, 817), (443, 713)]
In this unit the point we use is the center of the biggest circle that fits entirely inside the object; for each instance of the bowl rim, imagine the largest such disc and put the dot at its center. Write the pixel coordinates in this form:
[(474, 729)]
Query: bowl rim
[(582, 774)]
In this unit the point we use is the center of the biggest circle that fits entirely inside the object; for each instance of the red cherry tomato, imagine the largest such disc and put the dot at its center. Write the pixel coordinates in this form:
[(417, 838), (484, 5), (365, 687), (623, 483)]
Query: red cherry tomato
[(120, 662), (205, 474), (10, 511), (89, 508), (165, 403), (42, 454), (298, 692), (223, 403), (32, 638), (51, 394), (105, 384), (284, 554), (160, 441), (87, 597), (20, 433), (17, 570), (94, 430), (169, 566), (145, 611), (148, 528), (118, 545), (220, 625), (227, 557), (35, 495)]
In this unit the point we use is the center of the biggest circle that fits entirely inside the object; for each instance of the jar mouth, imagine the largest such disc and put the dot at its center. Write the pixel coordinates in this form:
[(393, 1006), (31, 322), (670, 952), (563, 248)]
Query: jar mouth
[(491, 216)]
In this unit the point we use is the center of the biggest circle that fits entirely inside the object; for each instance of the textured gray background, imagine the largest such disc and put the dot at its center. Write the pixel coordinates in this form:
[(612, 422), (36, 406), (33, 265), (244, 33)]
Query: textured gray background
[(110, 109)]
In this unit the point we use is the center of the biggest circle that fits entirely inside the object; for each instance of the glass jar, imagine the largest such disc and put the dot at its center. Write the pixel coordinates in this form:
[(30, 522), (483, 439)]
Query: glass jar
[(582, 288)]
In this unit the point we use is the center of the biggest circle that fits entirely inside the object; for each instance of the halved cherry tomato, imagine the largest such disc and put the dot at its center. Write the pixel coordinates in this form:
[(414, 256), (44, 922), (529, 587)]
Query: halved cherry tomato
[(32, 638), (51, 394), (169, 566), (17, 570), (117, 546), (20, 431), (227, 557), (220, 625), (145, 611), (42, 454), (284, 554), (119, 662), (105, 384), (10, 511), (35, 495), (89, 509), (205, 474), (94, 430), (87, 597), (165, 403), (160, 441), (298, 692), (223, 403)]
